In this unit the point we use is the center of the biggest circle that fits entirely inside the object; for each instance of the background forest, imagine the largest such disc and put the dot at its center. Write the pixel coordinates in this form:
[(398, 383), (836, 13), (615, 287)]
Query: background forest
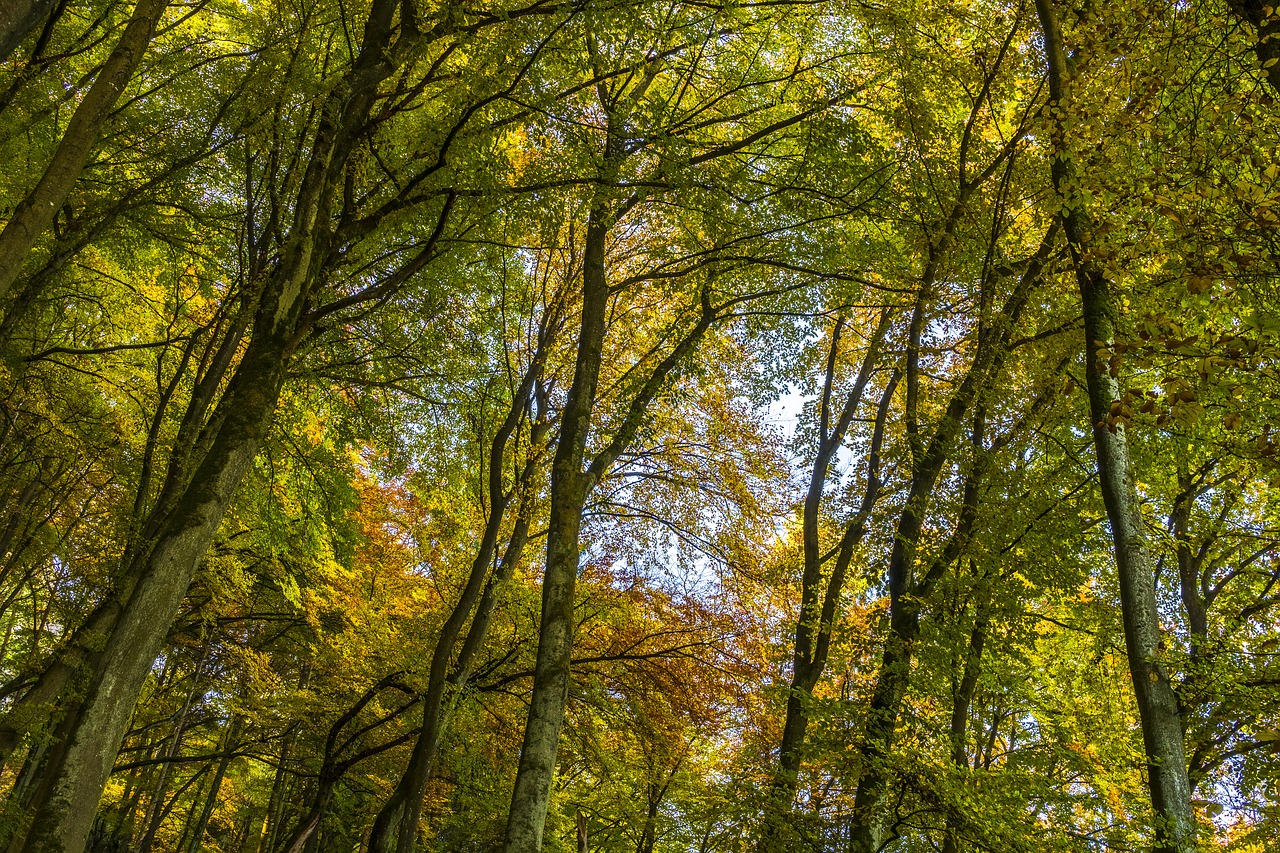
[(618, 425)]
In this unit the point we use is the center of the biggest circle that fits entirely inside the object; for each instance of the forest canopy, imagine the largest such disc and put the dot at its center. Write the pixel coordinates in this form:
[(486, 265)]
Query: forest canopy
[(639, 427)]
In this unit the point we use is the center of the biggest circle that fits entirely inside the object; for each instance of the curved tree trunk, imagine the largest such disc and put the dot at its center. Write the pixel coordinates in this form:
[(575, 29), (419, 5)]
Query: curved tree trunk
[(907, 593)]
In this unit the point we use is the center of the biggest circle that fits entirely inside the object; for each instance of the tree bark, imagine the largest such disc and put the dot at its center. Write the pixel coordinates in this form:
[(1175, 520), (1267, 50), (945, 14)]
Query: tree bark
[(1162, 731), (820, 596), (906, 593), (211, 799), (83, 762), (964, 699), (1267, 26), (35, 212), (17, 19), (570, 485)]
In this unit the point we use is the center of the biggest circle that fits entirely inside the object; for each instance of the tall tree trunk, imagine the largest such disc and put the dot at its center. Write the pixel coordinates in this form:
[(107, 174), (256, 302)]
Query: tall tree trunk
[(570, 485), (964, 699), (1162, 731), (274, 818), (395, 827), (155, 810), (820, 595), (907, 594), (79, 769), (211, 799), (36, 211), (83, 761), (48, 694)]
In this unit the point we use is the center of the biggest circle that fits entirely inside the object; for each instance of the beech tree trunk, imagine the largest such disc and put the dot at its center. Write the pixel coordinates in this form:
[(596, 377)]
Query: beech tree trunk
[(570, 485), (907, 593), (395, 827), (155, 809), (82, 762), (1162, 730), (820, 595), (35, 212), (79, 769), (211, 799), (964, 699)]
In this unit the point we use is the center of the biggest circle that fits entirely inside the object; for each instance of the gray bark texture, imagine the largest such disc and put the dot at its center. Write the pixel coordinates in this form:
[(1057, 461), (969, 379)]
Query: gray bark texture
[(76, 776), (570, 485), (1162, 731)]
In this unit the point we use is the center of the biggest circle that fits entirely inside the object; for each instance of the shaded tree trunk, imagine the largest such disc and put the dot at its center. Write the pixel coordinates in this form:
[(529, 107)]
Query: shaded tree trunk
[(820, 595), (907, 594), (1261, 16), (35, 212), (395, 827), (959, 730), (156, 812), (17, 19), (83, 760), (1162, 731), (215, 786)]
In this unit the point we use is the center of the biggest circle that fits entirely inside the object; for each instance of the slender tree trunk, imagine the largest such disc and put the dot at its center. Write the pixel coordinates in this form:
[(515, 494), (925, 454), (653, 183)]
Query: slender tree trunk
[(275, 805), (197, 798), (211, 799), (964, 699), (36, 211), (649, 834), (569, 488), (1162, 732), (395, 827), (156, 815), (1190, 564), (906, 593), (820, 596), (306, 829)]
